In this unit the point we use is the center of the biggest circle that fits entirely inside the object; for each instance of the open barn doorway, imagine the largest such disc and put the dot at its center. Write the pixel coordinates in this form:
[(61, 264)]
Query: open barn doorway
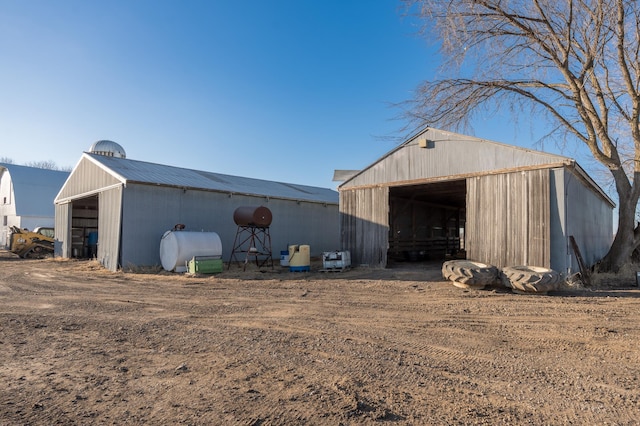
[(427, 222), (84, 227)]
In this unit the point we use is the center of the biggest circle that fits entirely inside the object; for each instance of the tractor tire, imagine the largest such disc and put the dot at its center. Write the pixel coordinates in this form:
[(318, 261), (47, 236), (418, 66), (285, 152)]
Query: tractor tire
[(530, 279), (469, 274)]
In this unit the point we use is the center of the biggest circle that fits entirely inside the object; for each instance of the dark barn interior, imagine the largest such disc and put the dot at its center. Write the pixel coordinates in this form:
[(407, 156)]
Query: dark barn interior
[(84, 227), (427, 222)]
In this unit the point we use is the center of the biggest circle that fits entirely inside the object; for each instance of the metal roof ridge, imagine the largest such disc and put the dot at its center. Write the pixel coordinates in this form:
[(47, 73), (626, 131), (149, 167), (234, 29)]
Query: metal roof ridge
[(461, 136), (96, 159)]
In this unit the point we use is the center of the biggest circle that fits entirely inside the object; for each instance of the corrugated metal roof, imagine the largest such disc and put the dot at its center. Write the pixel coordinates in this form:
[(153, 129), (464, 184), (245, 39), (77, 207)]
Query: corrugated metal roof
[(343, 175), (34, 188), (133, 171), (434, 153)]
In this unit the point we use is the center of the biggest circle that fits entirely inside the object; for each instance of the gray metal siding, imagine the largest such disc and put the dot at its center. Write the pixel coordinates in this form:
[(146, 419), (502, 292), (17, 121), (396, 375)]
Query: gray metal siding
[(448, 155), (86, 178), (62, 225), (150, 211), (109, 218), (560, 255), (314, 224), (589, 219), (508, 219), (583, 215), (364, 222)]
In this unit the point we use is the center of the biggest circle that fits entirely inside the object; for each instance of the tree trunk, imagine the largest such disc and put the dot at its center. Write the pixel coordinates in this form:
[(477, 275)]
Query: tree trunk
[(624, 241)]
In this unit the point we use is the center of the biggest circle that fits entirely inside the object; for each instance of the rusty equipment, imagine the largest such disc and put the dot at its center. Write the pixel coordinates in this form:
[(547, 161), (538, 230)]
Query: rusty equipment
[(253, 239)]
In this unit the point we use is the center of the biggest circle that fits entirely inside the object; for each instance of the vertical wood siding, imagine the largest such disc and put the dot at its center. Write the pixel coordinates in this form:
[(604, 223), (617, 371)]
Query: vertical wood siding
[(508, 219), (364, 224)]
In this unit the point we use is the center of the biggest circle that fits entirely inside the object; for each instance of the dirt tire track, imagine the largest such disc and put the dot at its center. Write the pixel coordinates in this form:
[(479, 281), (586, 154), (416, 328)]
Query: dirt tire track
[(81, 345)]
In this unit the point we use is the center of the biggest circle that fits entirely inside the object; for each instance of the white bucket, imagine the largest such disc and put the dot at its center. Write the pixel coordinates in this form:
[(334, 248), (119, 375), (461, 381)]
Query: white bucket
[(284, 258)]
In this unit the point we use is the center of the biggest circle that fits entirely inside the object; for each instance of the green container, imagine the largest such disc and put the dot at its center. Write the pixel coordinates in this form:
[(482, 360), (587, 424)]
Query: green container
[(204, 265)]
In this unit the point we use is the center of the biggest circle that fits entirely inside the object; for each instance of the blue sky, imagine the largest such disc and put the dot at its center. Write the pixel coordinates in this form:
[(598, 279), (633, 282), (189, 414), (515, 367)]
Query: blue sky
[(284, 90)]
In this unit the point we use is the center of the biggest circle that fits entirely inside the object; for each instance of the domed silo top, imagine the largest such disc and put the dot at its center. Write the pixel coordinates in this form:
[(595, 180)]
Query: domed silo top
[(108, 149)]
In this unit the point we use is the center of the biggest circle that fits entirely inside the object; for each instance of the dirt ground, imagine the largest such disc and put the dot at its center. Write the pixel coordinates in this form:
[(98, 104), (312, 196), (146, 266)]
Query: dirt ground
[(81, 345)]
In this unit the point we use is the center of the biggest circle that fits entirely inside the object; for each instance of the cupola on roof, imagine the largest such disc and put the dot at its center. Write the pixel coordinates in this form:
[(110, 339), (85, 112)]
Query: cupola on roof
[(108, 149)]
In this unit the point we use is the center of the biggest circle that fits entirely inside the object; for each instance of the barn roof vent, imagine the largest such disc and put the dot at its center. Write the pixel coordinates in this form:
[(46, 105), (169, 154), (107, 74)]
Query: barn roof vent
[(108, 149)]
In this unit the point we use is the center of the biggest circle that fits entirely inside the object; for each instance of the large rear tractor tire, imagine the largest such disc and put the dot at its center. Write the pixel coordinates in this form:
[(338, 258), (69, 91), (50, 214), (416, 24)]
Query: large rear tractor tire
[(530, 279), (469, 274)]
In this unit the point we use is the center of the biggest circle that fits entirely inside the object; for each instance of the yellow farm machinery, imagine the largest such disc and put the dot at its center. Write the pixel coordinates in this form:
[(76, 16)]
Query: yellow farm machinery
[(32, 244)]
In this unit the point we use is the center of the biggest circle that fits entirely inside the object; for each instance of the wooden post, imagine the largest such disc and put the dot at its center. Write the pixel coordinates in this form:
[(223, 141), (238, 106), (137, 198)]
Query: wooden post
[(584, 272)]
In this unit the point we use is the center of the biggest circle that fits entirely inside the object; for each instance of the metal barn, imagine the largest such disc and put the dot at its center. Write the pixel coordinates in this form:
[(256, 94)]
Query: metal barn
[(441, 194), (130, 204), (26, 197)]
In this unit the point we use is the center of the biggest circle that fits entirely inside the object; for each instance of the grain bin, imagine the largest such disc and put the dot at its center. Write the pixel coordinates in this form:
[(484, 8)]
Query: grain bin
[(259, 217), (178, 247)]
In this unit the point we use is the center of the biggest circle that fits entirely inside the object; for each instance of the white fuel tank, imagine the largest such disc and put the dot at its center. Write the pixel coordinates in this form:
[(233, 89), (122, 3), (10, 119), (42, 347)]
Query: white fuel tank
[(178, 247)]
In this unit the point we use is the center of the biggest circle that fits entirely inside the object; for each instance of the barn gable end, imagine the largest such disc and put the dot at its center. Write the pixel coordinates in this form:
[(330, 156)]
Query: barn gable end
[(26, 197), (441, 195)]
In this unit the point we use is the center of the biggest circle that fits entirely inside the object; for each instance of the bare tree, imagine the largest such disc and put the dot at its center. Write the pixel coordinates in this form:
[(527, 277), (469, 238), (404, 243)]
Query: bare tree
[(575, 62), (45, 164), (48, 165)]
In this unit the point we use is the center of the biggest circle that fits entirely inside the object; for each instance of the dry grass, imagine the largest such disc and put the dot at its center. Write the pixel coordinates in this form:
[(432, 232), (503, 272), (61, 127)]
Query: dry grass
[(626, 277), (152, 269)]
